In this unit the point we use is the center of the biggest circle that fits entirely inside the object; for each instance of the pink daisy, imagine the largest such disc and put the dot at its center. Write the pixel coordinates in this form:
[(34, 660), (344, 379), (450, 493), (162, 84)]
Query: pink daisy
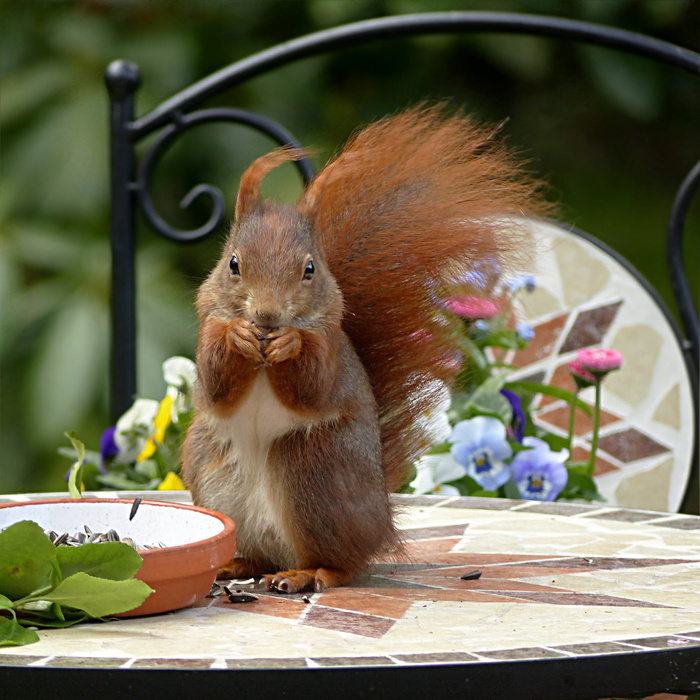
[(473, 307), (599, 360)]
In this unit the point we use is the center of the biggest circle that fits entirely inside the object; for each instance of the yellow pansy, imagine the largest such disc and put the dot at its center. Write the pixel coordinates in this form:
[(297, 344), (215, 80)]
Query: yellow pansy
[(171, 482), (160, 425)]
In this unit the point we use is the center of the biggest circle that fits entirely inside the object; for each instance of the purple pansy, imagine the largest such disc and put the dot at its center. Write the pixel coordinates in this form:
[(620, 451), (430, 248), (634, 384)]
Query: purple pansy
[(108, 447), (539, 473), (519, 419)]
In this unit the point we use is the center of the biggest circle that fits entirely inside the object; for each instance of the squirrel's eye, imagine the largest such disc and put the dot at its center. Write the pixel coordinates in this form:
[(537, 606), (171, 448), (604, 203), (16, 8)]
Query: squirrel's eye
[(234, 267), (309, 270)]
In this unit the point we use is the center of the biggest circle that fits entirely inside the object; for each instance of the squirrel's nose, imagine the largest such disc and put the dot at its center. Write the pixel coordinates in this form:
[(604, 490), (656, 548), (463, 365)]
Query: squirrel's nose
[(269, 318)]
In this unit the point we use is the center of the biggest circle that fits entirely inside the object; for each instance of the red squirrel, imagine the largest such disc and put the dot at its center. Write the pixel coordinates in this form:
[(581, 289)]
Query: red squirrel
[(322, 336)]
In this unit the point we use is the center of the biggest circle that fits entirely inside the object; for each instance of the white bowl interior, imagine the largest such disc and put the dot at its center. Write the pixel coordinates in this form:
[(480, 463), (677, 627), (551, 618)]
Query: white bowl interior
[(152, 524)]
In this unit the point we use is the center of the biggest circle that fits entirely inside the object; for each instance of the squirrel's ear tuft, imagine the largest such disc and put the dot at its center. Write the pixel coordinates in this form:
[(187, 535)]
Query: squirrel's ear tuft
[(249, 190)]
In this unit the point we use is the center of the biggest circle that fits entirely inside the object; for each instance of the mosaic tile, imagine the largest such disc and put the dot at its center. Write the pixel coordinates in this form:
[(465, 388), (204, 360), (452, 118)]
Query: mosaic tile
[(364, 601), (630, 445), (341, 621), (19, 660), (663, 642), (595, 648), (85, 662), (522, 653), (602, 465), (590, 327), (266, 663), (609, 563), (583, 424), (275, 605), (681, 524), (427, 533), (481, 503), (431, 658), (558, 508), (193, 663), (543, 344), (350, 661), (629, 516), (585, 599)]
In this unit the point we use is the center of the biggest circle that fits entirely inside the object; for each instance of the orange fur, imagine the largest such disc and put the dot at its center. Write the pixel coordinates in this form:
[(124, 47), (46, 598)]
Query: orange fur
[(311, 387)]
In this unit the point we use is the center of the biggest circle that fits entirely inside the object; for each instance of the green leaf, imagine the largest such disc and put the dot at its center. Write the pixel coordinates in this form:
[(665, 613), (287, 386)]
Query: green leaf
[(494, 404), (26, 558), (511, 490), (116, 561), (99, 597), (12, 634), (441, 449), (547, 390), (556, 442), (76, 470)]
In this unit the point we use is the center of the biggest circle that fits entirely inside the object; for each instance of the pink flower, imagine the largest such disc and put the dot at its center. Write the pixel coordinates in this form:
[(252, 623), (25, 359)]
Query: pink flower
[(473, 307), (599, 361), (582, 377)]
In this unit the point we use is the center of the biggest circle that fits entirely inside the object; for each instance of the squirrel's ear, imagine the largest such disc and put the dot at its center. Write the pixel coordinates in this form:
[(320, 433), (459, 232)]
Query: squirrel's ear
[(249, 189)]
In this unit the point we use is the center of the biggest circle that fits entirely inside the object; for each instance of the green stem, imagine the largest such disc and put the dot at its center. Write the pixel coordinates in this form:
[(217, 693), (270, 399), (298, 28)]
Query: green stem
[(596, 427), (572, 418)]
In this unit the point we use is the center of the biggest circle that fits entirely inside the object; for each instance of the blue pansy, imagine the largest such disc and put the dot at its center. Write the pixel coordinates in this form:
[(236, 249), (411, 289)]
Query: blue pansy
[(480, 446), (539, 473)]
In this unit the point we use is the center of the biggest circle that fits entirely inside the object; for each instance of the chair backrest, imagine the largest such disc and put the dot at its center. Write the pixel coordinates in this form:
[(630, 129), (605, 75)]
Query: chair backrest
[(131, 177)]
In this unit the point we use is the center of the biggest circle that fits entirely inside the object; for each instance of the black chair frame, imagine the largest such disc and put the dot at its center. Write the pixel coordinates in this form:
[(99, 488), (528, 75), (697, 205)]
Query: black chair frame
[(131, 180)]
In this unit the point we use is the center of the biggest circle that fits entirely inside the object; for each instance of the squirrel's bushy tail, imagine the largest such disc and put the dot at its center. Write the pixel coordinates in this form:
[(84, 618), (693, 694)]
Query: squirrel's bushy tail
[(410, 205)]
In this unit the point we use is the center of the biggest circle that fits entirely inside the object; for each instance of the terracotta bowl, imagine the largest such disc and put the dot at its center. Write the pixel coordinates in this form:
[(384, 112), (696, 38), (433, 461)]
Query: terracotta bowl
[(197, 541)]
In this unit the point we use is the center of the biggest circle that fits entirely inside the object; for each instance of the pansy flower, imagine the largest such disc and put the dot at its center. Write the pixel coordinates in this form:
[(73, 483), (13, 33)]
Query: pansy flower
[(519, 419), (134, 428), (480, 446), (432, 471), (539, 473)]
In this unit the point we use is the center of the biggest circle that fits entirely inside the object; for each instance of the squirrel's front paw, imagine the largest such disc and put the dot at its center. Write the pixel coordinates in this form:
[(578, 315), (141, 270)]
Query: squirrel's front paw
[(283, 344), (245, 339)]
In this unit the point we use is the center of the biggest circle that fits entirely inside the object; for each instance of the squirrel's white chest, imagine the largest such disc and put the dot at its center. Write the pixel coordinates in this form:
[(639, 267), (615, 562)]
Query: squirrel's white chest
[(260, 419), (243, 487)]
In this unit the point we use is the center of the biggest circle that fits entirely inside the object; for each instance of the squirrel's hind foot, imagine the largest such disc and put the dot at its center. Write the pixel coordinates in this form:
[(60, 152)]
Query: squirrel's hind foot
[(239, 567), (296, 580)]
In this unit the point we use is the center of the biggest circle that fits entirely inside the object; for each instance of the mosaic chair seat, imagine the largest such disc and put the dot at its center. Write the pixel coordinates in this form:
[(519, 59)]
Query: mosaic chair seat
[(586, 295)]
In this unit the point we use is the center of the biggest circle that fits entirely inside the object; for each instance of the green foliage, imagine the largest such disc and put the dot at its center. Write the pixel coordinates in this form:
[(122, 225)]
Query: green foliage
[(46, 586), (610, 134)]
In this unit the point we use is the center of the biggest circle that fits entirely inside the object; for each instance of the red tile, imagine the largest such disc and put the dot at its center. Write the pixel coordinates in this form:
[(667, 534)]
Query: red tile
[(341, 621), (559, 417), (543, 344), (631, 445), (276, 606), (590, 327), (364, 601), (602, 465)]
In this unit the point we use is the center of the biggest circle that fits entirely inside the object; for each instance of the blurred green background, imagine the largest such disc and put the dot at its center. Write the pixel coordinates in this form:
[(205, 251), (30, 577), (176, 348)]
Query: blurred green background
[(613, 135)]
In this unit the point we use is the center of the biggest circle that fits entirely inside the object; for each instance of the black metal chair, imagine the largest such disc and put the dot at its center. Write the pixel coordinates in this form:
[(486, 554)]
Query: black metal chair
[(131, 178)]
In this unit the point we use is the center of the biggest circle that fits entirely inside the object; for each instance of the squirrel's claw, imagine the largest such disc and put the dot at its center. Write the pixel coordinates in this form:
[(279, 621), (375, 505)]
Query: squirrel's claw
[(244, 338), (282, 344), (296, 580)]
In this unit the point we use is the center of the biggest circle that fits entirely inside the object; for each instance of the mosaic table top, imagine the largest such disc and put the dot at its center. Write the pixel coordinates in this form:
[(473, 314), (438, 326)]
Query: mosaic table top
[(558, 582)]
